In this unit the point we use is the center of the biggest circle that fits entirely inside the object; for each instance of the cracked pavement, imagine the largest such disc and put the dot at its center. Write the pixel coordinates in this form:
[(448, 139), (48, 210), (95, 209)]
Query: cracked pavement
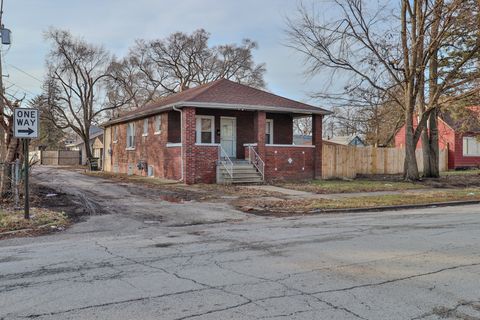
[(223, 264)]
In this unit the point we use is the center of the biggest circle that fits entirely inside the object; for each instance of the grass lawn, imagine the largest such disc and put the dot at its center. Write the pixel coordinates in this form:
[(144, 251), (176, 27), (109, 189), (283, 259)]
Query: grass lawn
[(460, 173), (347, 186), (41, 221), (405, 198)]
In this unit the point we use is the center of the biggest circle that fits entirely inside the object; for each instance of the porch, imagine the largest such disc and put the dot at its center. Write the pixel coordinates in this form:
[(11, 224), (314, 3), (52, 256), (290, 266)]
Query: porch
[(229, 146)]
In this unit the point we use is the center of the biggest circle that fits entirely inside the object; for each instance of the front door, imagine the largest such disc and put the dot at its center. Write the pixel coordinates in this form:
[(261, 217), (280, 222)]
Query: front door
[(228, 135)]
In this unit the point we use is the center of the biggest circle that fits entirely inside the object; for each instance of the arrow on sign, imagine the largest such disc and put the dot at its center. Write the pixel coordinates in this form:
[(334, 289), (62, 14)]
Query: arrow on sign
[(28, 131)]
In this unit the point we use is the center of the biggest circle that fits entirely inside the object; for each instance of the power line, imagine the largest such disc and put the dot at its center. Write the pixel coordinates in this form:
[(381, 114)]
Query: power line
[(21, 88), (25, 72)]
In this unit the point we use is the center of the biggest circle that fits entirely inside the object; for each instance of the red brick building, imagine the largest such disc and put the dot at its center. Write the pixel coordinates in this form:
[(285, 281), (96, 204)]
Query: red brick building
[(221, 131), (458, 134)]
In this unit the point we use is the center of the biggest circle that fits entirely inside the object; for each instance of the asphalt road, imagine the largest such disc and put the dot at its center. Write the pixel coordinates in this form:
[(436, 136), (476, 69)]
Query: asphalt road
[(416, 264)]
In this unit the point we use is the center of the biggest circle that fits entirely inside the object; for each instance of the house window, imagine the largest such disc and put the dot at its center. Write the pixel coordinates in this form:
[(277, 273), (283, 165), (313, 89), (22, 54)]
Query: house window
[(158, 124), (145, 127), (471, 146), (131, 135), (204, 131), (115, 134), (269, 131)]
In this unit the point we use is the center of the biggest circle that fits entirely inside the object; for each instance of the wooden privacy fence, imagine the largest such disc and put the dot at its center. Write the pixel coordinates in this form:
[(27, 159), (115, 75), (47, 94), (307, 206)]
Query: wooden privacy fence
[(340, 161), (56, 158)]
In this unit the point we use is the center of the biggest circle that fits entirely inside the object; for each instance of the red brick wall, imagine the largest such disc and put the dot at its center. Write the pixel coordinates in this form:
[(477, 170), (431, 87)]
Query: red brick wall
[(278, 166), (205, 164), (317, 141), (173, 163), (150, 148), (188, 139)]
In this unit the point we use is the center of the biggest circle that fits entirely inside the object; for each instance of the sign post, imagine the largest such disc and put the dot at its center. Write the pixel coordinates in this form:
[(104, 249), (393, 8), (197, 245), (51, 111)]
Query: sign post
[(25, 126)]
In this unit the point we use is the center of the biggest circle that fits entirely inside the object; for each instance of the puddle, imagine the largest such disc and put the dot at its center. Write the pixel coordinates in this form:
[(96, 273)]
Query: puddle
[(171, 198), (163, 245)]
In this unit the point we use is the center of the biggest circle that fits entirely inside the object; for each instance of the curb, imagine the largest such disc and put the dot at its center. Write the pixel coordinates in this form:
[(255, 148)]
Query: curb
[(371, 209)]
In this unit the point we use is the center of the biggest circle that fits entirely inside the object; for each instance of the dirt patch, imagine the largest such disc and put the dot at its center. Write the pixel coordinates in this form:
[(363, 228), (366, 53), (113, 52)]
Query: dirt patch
[(74, 207)]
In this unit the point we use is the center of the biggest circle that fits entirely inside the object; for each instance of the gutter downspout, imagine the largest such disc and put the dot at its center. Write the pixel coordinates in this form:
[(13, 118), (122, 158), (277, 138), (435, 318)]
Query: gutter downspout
[(181, 140)]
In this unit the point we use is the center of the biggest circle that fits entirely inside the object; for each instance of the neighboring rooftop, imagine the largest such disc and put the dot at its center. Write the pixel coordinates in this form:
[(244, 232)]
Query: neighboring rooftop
[(352, 140), (465, 119), (223, 94)]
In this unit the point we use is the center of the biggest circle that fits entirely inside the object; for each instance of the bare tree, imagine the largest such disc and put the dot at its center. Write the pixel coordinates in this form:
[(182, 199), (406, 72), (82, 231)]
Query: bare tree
[(364, 44), (13, 146), (160, 67), (74, 90)]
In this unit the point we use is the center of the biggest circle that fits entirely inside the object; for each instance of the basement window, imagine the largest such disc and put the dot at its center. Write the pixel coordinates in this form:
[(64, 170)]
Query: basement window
[(131, 136), (204, 131), (471, 147)]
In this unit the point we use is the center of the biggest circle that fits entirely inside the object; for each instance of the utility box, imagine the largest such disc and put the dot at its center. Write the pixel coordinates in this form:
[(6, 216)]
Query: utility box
[(6, 36)]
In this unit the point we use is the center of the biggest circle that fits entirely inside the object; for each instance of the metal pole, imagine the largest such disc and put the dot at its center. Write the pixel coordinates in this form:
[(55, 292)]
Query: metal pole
[(17, 181), (27, 204)]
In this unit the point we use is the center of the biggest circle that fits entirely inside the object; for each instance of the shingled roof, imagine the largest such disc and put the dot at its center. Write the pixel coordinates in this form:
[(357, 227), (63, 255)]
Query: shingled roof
[(222, 94), (467, 120)]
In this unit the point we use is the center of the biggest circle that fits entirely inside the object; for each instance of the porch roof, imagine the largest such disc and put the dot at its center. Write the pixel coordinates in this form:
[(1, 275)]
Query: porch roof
[(223, 94)]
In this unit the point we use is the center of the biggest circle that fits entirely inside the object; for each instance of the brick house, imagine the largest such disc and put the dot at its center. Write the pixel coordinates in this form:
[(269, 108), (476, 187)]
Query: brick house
[(458, 134), (217, 132)]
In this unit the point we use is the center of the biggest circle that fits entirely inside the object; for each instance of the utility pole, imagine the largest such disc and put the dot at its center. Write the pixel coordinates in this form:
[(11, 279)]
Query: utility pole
[(3, 149)]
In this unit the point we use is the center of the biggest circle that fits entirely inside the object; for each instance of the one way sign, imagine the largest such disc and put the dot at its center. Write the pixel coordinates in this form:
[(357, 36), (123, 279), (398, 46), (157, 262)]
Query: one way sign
[(25, 123)]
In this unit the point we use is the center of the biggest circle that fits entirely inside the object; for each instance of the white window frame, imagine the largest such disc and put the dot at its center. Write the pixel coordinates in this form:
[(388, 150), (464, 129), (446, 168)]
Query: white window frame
[(198, 129), (115, 134), (158, 124), (145, 126), (465, 150), (271, 130), (131, 130)]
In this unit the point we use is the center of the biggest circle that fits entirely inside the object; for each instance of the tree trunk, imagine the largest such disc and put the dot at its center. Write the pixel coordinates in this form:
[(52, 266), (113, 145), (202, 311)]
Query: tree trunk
[(410, 165), (433, 147), (5, 182), (88, 150), (431, 160)]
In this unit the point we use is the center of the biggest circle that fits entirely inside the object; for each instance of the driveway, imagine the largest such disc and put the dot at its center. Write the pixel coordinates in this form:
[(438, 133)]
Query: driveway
[(157, 260)]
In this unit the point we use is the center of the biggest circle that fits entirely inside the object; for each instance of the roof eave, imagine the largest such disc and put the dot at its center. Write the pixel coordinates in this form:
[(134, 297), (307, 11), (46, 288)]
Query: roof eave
[(209, 105)]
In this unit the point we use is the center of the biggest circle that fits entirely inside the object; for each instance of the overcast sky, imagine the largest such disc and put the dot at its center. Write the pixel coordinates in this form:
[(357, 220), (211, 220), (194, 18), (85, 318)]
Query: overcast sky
[(117, 23)]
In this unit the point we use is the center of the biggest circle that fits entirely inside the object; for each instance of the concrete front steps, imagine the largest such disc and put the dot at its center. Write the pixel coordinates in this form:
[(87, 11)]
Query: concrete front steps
[(243, 172)]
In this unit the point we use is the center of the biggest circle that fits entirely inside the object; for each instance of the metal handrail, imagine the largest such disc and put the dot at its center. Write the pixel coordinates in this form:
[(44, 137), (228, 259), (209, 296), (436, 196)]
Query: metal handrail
[(256, 161), (226, 162)]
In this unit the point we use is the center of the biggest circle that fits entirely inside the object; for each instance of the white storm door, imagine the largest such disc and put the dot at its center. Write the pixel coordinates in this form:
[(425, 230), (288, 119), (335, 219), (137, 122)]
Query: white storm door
[(228, 135)]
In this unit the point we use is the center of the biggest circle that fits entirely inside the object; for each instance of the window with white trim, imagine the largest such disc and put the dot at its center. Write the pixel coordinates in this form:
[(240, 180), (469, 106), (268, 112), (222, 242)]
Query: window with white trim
[(115, 134), (158, 124), (269, 131), (145, 127), (204, 129), (471, 146), (131, 135)]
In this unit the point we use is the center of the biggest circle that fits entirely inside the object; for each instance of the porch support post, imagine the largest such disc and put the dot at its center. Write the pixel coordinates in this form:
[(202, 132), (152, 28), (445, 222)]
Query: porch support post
[(317, 142), (259, 129), (188, 141)]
